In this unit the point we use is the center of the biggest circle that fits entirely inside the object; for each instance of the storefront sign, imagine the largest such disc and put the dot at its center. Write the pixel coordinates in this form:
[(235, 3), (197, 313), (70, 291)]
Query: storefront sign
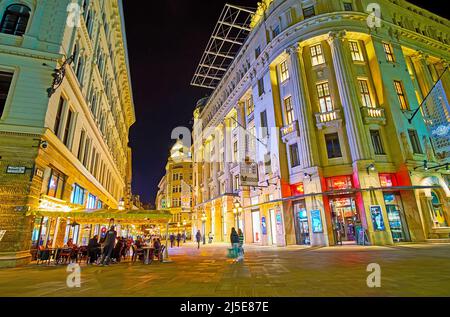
[(339, 183), (16, 170), (249, 174), (316, 221), (377, 218), (387, 180), (297, 189), (264, 226)]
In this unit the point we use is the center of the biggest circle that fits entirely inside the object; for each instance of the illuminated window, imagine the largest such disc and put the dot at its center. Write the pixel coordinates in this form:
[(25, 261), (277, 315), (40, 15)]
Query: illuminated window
[(91, 202), (250, 105), (348, 6), (333, 145), (15, 20), (56, 184), (389, 53), (284, 72), (365, 93), (78, 195), (5, 84), (323, 91), (261, 86), (295, 160), (356, 51), (401, 95), (67, 129), (317, 55), (289, 110)]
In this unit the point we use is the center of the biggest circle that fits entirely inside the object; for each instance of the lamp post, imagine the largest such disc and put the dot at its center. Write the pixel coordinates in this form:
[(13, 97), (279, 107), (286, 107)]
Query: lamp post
[(184, 229), (204, 218), (237, 211)]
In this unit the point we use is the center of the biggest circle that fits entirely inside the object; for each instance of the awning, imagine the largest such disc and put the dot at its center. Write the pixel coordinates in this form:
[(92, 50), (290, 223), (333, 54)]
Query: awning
[(104, 215)]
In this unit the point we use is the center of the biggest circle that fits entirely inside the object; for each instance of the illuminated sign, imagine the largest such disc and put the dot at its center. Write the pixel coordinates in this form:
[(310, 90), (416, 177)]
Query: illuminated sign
[(377, 218), (316, 221), (387, 180), (298, 189), (16, 170), (339, 182)]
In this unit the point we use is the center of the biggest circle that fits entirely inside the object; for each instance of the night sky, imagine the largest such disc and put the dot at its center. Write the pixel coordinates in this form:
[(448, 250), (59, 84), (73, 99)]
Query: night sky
[(166, 39)]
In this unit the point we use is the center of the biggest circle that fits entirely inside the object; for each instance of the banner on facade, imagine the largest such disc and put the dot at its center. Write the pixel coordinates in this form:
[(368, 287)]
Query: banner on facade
[(186, 196), (249, 174), (316, 221)]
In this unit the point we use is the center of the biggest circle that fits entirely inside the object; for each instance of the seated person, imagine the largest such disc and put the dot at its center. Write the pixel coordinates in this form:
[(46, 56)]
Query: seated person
[(93, 249)]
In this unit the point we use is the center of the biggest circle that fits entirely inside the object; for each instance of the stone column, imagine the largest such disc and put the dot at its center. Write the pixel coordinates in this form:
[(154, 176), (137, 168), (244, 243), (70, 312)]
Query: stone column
[(308, 148), (357, 139)]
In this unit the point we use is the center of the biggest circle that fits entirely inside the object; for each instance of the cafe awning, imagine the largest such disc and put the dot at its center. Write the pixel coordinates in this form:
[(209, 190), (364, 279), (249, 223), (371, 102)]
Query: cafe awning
[(104, 215)]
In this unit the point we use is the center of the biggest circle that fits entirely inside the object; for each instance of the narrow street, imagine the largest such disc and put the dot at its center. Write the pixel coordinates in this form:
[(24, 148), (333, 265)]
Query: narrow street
[(406, 270)]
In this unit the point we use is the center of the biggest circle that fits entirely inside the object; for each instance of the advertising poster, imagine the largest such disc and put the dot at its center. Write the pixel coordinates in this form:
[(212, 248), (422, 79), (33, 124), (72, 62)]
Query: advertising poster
[(377, 218), (264, 226), (316, 221)]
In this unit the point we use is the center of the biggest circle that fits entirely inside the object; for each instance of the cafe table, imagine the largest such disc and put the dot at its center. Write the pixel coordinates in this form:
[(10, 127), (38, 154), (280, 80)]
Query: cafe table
[(149, 253)]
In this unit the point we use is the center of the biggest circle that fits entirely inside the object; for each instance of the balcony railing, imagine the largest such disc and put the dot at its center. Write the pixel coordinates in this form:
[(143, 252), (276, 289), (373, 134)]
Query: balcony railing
[(328, 119), (290, 131), (373, 115)]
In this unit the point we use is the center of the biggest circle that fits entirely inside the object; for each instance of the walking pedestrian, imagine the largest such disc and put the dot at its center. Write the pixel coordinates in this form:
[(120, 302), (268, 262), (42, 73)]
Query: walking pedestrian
[(172, 239), (210, 237), (178, 239), (198, 237), (108, 247), (234, 238), (241, 246)]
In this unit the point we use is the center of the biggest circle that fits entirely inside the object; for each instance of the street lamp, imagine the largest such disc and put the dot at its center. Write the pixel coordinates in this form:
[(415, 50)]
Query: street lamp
[(204, 218), (237, 210)]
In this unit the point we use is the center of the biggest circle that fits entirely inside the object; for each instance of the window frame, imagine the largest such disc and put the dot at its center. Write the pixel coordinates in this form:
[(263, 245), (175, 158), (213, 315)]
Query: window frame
[(294, 155), (284, 71), (288, 110), (19, 16), (334, 154), (355, 51), (317, 56), (401, 95), (364, 91), (325, 100), (377, 142), (389, 52), (415, 141)]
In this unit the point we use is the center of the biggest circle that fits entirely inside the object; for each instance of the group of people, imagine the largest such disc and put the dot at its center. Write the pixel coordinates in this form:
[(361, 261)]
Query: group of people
[(179, 237)]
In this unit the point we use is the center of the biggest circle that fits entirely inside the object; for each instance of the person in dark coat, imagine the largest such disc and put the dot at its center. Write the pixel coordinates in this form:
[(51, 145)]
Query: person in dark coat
[(172, 240), (117, 254), (94, 250), (108, 247), (178, 239), (198, 237)]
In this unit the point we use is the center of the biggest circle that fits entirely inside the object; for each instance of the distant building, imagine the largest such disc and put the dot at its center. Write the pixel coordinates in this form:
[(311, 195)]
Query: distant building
[(68, 148), (305, 138)]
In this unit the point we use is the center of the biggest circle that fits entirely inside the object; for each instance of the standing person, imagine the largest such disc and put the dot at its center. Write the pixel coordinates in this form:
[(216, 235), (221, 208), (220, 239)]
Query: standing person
[(172, 239), (183, 236), (198, 237), (178, 239), (241, 246), (108, 247), (234, 238), (210, 237)]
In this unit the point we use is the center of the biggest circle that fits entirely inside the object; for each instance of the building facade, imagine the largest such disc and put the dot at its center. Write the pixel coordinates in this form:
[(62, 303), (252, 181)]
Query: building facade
[(65, 148), (175, 188), (320, 99)]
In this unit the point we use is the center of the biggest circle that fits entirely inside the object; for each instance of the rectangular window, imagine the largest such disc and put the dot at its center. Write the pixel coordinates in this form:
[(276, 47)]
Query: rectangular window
[(81, 145), (415, 142), (261, 86), (5, 84), (348, 6), (235, 151), (250, 105), (78, 195), (87, 147), (309, 12), (333, 145), (356, 51), (365, 93), (295, 160), (91, 202), (276, 31), (284, 72), (59, 115), (66, 139), (399, 89), (257, 52), (376, 142), (317, 55), (323, 91), (264, 125), (289, 110), (236, 183), (389, 53), (56, 184)]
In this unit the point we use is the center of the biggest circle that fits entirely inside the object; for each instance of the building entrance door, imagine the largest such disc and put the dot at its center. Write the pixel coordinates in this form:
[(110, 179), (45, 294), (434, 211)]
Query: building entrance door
[(345, 218), (301, 223)]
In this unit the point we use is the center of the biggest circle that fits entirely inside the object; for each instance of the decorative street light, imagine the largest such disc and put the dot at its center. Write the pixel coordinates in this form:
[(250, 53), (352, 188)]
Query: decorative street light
[(204, 218), (237, 211)]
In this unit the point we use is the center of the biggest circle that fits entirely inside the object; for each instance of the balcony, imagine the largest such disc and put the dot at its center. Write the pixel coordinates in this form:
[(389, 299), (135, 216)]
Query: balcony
[(329, 119), (289, 132), (373, 115)]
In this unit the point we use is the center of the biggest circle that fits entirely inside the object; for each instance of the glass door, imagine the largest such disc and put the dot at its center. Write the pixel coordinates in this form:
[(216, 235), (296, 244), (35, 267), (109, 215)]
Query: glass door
[(396, 219)]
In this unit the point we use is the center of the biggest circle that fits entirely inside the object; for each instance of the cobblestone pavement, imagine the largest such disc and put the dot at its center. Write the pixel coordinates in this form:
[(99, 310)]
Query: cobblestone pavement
[(406, 270)]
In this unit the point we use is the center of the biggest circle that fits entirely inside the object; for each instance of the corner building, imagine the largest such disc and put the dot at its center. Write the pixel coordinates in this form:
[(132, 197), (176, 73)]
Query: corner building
[(70, 150), (340, 162)]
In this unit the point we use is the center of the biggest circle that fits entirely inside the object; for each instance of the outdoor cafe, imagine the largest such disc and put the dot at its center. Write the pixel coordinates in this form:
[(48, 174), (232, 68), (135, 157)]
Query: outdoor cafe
[(62, 235)]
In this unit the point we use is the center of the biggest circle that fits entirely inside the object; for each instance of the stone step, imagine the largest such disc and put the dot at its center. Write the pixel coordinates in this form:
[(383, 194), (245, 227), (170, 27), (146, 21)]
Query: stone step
[(438, 240)]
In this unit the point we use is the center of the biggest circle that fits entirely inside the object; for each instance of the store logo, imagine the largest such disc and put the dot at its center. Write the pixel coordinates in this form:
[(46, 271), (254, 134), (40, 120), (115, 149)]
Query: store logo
[(374, 18), (74, 278), (74, 16), (374, 278)]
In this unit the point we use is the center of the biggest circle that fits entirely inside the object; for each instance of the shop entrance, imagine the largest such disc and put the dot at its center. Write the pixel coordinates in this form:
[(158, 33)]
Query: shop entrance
[(397, 222), (301, 224), (345, 219)]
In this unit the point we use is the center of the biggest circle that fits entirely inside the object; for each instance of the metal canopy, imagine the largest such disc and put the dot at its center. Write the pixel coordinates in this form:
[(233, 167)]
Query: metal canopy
[(228, 36)]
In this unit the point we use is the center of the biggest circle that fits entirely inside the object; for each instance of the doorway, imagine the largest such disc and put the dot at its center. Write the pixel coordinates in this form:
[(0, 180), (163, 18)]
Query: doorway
[(396, 218), (301, 223), (345, 219)]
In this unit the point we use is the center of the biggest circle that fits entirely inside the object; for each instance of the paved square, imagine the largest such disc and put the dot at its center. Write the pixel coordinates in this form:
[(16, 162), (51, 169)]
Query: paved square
[(406, 270)]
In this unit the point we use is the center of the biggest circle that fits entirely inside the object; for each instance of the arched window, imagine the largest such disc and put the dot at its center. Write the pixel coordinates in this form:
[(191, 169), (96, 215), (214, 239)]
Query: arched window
[(15, 19)]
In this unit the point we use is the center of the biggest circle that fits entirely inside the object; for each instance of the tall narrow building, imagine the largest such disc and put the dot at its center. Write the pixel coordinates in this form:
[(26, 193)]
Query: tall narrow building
[(66, 107), (316, 132)]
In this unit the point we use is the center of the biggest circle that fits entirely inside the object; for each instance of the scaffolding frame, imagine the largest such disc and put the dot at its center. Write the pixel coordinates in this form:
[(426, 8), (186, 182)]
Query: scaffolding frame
[(230, 33)]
